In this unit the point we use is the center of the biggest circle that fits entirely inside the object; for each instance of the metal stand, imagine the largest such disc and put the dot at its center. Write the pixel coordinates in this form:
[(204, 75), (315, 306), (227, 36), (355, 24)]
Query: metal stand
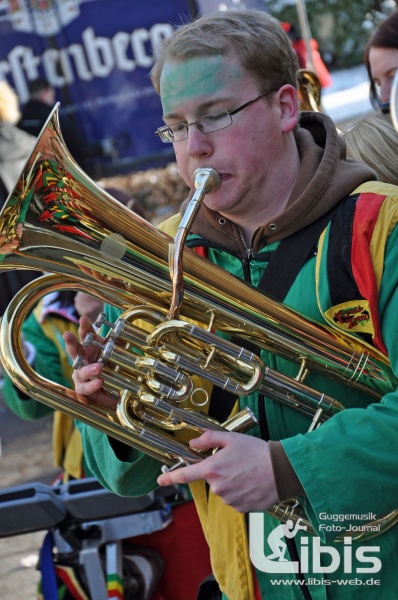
[(90, 523)]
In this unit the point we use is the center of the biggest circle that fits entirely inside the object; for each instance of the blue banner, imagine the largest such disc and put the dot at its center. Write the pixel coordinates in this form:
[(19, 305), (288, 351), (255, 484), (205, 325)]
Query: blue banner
[(97, 54)]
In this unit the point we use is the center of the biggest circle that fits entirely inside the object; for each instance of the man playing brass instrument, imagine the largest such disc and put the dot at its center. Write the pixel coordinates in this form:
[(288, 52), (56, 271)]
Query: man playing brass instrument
[(228, 87)]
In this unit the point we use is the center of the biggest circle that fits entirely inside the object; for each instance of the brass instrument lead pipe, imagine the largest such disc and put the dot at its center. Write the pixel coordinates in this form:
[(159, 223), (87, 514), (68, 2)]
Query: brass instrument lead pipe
[(206, 180)]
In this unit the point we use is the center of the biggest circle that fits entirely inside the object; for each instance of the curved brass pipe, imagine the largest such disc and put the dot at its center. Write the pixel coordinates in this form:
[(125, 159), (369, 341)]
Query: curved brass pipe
[(309, 91)]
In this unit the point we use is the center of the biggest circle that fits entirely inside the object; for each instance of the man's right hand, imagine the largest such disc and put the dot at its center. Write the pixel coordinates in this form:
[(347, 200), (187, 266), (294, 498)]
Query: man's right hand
[(87, 379)]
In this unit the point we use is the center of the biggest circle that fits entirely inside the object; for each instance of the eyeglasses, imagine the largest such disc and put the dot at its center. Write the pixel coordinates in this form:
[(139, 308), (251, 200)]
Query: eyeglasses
[(205, 124)]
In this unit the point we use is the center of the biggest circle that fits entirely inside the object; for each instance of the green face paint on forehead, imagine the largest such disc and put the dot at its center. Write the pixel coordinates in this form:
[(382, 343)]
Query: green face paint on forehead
[(198, 77)]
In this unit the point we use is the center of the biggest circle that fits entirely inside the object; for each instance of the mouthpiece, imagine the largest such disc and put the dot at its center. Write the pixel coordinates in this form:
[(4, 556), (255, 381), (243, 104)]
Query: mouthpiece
[(207, 178)]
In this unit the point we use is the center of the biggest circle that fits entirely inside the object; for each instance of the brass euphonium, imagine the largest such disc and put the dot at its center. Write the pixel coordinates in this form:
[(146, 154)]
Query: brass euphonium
[(59, 221)]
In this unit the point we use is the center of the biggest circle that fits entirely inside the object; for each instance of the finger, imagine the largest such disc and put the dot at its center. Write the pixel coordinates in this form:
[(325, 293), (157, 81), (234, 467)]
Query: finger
[(74, 349), (183, 475), (210, 439), (85, 327), (88, 372), (72, 345), (89, 388), (87, 379)]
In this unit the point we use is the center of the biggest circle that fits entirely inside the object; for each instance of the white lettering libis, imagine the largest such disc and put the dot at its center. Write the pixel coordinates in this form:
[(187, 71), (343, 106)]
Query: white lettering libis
[(325, 559), (96, 57)]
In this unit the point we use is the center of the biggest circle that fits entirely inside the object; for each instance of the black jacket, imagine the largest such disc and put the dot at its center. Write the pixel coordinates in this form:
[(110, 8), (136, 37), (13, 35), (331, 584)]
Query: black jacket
[(33, 116), (35, 113)]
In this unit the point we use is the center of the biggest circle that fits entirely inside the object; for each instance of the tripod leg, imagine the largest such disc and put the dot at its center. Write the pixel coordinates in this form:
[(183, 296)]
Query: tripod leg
[(90, 559), (114, 570)]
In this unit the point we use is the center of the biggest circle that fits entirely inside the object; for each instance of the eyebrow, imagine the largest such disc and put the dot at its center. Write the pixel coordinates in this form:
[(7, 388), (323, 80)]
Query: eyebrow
[(201, 109)]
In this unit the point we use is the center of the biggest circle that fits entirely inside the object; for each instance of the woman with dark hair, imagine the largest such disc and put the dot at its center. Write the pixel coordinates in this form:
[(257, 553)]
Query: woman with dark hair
[(381, 60)]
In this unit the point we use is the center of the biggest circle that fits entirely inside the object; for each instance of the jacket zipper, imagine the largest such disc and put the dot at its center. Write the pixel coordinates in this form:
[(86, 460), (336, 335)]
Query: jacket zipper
[(249, 257), (245, 262)]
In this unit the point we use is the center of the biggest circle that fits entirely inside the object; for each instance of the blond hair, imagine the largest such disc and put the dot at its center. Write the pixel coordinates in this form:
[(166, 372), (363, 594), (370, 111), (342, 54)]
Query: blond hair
[(9, 104), (374, 141), (256, 38)]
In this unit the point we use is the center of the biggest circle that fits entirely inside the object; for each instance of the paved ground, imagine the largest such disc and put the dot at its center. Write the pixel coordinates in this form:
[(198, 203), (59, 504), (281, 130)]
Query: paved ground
[(26, 456)]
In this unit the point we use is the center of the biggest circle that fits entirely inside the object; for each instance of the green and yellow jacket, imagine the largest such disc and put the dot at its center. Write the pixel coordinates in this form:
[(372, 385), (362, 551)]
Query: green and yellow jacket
[(345, 470)]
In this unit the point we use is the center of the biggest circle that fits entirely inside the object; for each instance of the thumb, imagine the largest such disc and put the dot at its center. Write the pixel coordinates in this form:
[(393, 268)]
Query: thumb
[(209, 440)]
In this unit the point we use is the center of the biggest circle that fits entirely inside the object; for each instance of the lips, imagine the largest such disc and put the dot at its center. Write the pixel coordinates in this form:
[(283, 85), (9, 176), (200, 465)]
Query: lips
[(223, 176)]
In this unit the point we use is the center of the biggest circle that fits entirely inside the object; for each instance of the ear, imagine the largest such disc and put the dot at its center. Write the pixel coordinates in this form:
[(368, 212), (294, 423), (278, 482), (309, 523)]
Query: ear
[(288, 103)]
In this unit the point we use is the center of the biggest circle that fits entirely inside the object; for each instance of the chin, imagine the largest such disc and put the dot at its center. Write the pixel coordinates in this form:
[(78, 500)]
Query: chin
[(214, 205), (222, 203)]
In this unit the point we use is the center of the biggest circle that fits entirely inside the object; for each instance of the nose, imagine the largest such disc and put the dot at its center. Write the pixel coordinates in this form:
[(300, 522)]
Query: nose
[(385, 91), (198, 143)]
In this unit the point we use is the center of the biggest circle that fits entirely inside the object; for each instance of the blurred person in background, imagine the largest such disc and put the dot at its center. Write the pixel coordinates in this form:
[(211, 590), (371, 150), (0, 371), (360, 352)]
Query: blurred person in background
[(35, 112), (374, 141), (15, 148), (381, 60), (300, 47), (44, 350)]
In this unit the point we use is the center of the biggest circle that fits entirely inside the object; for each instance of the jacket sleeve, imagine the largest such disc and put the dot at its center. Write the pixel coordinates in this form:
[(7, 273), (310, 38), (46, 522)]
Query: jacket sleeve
[(46, 364), (117, 467), (348, 466)]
